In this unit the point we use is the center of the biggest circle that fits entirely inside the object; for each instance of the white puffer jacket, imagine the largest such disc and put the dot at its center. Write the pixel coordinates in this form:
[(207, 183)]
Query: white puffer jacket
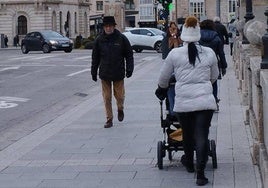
[(193, 87)]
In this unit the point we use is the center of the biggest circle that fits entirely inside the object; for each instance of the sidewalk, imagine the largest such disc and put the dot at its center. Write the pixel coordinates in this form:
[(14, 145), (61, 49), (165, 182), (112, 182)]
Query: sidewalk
[(76, 151), (10, 48)]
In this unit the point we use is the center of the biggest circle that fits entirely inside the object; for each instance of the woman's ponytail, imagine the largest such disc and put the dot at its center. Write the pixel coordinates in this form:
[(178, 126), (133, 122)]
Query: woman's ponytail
[(192, 53)]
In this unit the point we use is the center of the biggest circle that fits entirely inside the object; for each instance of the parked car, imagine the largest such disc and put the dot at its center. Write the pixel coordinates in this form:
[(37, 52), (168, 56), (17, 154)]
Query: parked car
[(144, 38), (46, 41)]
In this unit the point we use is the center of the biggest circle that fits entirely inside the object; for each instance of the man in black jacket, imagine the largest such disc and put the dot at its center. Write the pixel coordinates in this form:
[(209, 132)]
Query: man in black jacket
[(210, 38), (112, 55), (221, 30)]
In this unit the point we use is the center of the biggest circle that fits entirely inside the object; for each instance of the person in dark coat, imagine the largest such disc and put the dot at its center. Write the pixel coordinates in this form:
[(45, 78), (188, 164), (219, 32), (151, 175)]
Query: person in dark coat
[(210, 38), (112, 56), (16, 40), (6, 41), (221, 30), (232, 34)]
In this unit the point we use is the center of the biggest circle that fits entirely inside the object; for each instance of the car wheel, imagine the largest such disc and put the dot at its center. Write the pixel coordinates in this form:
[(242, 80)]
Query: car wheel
[(46, 48), (24, 49), (138, 50), (158, 46), (68, 50)]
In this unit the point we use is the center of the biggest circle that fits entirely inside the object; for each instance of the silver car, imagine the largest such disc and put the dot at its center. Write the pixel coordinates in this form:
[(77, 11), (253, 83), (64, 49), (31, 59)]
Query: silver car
[(145, 38)]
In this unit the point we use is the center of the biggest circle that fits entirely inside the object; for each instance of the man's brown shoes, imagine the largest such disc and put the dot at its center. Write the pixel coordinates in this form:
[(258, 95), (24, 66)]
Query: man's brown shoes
[(120, 115), (108, 124)]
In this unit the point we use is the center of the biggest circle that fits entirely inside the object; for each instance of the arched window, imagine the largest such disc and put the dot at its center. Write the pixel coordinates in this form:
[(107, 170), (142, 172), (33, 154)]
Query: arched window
[(22, 25), (61, 23), (75, 22), (54, 21), (85, 24)]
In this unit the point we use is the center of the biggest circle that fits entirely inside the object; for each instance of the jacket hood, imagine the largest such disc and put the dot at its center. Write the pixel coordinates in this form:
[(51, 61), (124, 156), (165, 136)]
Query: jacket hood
[(208, 35)]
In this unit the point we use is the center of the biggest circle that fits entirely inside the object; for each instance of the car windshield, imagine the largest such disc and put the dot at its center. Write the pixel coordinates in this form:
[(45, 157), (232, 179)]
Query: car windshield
[(51, 34), (157, 31)]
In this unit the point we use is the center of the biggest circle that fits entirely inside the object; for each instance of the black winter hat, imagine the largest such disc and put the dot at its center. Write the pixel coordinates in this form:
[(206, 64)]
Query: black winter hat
[(108, 20)]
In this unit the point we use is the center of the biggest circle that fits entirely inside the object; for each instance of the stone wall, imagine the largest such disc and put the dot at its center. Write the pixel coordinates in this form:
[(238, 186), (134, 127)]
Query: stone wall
[(253, 87)]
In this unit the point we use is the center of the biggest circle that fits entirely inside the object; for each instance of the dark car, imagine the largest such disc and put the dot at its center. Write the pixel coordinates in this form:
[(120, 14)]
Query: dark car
[(46, 41)]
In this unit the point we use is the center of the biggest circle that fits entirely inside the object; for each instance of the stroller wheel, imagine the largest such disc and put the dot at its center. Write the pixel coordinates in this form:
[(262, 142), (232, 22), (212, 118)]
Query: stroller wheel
[(160, 154), (213, 153), (170, 155)]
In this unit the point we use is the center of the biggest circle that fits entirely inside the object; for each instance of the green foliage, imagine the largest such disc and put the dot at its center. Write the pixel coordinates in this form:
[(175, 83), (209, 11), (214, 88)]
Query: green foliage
[(88, 42)]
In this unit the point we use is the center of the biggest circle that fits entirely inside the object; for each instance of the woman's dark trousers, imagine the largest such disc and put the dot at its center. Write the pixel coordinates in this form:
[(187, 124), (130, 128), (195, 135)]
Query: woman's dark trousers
[(195, 126)]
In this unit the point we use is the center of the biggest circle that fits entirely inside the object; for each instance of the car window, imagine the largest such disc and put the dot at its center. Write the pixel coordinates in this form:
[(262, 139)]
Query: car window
[(135, 31), (51, 34), (146, 32), (157, 31), (30, 35), (37, 35)]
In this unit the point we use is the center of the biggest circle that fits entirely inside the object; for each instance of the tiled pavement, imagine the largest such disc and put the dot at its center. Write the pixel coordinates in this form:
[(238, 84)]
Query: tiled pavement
[(76, 151)]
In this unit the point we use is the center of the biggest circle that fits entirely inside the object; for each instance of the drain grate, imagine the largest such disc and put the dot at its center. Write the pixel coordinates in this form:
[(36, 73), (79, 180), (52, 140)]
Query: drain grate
[(81, 94)]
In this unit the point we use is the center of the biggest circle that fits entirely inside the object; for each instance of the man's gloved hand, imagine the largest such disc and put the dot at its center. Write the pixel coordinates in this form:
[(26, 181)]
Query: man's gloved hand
[(94, 78), (128, 74), (223, 72), (161, 93)]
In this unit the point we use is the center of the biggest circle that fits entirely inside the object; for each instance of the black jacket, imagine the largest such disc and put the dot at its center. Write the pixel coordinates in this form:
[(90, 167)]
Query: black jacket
[(113, 56), (222, 31), (211, 39)]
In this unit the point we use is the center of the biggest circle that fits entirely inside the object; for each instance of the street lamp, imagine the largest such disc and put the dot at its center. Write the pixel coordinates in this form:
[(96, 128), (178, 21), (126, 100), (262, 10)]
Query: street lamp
[(155, 12), (264, 63)]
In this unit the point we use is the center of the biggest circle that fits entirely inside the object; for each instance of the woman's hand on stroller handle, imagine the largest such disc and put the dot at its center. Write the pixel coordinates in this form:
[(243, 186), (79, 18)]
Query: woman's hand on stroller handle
[(161, 93)]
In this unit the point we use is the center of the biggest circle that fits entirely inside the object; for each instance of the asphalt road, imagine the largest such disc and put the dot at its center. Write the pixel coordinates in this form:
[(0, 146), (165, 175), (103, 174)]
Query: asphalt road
[(36, 88)]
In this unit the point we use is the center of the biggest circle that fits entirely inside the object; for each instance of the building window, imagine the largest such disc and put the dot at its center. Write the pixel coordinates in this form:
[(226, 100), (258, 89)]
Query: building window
[(197, 8), (22, 25), (146, 13), (232, 9), (61, 23), (54, 21), (99, 5), (129, 5), (75, 22), (146, 10)]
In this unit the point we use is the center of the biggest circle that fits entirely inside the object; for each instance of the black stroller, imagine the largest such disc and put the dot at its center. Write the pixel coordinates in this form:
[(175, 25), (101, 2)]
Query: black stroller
[(173, 135)]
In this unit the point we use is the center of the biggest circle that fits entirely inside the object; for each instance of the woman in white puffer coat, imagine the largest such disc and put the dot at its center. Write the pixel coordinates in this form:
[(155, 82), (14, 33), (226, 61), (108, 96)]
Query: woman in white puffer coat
[(195, 68)]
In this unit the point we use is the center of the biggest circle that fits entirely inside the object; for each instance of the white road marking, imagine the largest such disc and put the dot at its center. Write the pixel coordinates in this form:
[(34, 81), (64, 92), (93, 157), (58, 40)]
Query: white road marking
[(30, 65), (41, 57), (75, 73), (9, 68), (8, 102), (76, 65), (83, 57), (16, 99), (16, 58)]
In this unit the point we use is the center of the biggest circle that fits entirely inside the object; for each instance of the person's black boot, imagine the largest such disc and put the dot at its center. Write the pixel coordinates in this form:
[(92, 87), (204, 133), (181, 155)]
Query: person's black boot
[(188, 165), (201, 179)]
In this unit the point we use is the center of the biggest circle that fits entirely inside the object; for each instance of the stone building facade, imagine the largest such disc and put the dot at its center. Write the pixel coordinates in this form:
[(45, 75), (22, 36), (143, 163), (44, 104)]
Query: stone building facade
[(69, 17)]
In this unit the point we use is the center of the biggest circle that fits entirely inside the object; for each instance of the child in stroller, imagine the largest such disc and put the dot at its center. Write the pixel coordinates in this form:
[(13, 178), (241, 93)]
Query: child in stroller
[(172, 130)]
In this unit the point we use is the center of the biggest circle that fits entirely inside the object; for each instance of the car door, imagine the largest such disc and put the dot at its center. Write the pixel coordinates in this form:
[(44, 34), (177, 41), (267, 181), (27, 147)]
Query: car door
[(146, 37), (29, 40), (37, 41), (138, 38)]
